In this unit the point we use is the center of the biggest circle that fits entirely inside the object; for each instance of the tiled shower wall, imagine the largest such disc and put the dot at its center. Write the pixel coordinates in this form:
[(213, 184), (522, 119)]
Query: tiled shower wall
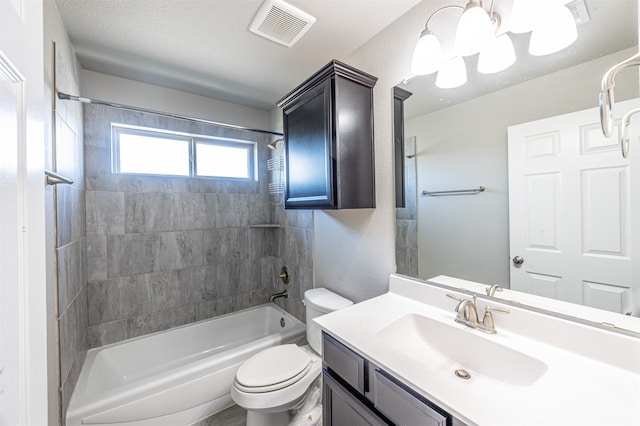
[(294, 248), (166, 251), (70, 246), (407, 220)]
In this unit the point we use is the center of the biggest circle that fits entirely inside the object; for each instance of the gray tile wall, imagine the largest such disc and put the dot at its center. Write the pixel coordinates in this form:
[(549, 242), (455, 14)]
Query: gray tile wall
[(407, 224), (165, 251), (70, 241), (294, 248)]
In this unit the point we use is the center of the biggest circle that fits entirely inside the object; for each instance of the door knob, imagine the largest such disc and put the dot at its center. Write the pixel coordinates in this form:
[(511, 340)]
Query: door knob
[(518, 260)]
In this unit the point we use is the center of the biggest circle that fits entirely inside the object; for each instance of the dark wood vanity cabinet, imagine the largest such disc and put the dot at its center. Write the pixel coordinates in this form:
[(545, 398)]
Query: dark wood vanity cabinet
[(328, 134), (357, 392)]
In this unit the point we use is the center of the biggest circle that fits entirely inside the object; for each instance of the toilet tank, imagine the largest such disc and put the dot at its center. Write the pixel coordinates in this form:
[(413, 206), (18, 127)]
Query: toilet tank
[(320, 301)]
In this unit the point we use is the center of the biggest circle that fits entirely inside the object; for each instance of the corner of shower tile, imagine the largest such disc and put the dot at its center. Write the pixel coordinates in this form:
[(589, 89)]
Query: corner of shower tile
[(107, 333)]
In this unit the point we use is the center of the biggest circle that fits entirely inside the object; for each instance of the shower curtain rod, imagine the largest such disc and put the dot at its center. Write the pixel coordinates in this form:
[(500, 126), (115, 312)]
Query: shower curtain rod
[(67, 97)]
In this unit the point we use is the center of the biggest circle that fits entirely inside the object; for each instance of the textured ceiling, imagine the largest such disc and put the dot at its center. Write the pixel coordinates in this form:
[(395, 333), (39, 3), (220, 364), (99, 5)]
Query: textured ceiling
[(205, 46)]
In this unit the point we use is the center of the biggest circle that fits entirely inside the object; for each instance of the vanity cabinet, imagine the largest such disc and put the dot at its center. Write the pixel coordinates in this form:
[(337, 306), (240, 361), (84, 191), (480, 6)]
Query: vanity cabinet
[(328, 135), (356, 391)]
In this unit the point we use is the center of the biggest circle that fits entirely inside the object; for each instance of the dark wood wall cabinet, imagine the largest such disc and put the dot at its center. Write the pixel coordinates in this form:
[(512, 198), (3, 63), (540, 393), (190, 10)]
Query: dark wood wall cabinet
[(399, 96), (328, 134)]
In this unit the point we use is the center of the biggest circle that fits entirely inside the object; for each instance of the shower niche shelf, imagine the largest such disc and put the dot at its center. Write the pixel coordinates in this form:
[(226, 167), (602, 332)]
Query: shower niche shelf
[(328, 135)]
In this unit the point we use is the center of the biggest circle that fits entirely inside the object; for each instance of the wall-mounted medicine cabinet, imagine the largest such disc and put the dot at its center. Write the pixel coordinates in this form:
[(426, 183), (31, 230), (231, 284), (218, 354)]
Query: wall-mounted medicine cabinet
[(328, 133)]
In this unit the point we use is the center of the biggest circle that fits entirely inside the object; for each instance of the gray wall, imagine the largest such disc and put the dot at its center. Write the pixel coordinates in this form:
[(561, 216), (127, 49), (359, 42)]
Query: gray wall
[(65, 219), (407, 219), (294, 248), (129, 92), (354, 250), (289, 244), (166, 251)]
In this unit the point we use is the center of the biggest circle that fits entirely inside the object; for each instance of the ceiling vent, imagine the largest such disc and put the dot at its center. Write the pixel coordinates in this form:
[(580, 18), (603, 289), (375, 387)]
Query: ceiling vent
[(281, 22), (580, 12)]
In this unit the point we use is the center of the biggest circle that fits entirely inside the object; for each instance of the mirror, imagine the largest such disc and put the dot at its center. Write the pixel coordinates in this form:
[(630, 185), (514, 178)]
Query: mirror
[(457, 139)]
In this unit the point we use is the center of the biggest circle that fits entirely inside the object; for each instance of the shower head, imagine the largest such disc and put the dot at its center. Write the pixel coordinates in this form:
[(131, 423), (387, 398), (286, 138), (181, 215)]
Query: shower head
[(274, 145)]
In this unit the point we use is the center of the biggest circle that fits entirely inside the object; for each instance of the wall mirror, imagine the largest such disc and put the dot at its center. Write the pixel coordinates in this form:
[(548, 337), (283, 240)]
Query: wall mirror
[(457, 139)]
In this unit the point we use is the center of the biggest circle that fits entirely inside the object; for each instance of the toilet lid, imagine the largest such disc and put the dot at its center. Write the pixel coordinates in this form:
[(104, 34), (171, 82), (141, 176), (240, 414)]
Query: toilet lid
[(275, 365)]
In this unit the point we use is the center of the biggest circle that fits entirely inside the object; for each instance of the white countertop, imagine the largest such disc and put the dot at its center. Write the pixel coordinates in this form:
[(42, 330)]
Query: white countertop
[(592, 376)]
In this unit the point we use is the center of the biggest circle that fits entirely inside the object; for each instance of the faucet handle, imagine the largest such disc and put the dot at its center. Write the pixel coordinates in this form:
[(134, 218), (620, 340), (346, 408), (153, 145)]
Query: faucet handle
[(459, 299), (285, 275), (487, 321), (489, 310)]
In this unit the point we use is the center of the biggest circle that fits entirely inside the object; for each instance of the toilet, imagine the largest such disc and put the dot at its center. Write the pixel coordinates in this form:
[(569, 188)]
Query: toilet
[(273, 383)]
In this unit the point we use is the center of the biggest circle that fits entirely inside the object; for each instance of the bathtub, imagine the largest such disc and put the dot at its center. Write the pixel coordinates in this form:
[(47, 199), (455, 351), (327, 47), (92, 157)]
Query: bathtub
[(175, 377)]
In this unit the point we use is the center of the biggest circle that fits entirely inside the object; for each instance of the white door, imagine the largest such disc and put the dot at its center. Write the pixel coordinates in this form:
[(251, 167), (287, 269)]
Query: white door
[(23, 374), (574, 211)]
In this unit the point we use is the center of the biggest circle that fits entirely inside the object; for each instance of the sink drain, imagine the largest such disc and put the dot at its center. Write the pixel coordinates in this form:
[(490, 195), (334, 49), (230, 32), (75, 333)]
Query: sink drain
[(463, 374)]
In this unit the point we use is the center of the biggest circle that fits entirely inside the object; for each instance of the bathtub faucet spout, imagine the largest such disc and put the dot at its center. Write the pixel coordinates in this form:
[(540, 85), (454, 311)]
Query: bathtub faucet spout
[(277, 295)]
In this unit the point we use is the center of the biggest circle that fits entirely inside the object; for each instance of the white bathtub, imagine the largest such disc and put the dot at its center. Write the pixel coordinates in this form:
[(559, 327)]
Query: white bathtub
[(175, 377)]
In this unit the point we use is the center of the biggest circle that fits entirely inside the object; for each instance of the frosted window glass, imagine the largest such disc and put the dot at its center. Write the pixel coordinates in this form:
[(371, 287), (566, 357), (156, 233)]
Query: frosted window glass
[(153, 155), (222, 161)]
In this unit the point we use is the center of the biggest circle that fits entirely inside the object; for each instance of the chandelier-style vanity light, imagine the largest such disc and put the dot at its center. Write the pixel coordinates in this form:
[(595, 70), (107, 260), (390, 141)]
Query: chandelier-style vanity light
[(550, 22)]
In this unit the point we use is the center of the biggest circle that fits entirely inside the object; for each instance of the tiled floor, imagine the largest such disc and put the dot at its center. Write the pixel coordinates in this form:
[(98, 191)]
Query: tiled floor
[(232, 416)]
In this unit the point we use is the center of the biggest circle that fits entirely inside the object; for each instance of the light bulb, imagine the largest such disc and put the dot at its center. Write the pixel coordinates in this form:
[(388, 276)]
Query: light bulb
[(554, 30), (499, 56), (523, 16), (453, 73), (474, 31), (427, 55)]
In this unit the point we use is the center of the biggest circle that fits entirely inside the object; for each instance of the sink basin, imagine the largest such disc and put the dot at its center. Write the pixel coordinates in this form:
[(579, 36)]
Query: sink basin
[(451, 346)]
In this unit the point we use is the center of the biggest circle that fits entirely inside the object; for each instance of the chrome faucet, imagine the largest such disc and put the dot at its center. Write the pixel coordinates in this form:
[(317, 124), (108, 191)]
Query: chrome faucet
[(491, 291), (467, 314), (278, 295)]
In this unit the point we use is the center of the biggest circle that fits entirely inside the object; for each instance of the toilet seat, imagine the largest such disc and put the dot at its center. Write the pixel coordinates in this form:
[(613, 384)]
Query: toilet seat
[(273, 369)]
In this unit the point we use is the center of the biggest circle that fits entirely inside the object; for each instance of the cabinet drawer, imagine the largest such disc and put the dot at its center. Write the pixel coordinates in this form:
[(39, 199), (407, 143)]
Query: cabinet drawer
[(401, 406), (341, 408), (344, 362)]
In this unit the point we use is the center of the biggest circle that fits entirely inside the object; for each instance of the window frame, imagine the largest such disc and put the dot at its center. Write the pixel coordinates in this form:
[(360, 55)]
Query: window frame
[(227, 143), (193, 139)]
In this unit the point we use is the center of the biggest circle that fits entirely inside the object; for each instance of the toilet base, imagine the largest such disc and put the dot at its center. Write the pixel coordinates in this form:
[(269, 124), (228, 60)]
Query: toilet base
[(256, 418)]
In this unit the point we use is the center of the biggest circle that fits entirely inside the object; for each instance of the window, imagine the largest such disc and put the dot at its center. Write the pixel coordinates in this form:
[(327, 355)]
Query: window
[(157, 152), (217, 159)]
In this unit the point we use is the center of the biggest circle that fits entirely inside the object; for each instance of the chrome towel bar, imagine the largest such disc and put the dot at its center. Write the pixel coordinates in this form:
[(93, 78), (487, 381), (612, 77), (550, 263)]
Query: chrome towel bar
[(472, 191)]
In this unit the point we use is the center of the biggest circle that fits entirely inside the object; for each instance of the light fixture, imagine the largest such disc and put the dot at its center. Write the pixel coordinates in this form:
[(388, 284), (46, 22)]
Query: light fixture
[(474, 31), (554, 29), (452, 74), (498, 56), (523, 16), (427, 55), (551, 23)]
